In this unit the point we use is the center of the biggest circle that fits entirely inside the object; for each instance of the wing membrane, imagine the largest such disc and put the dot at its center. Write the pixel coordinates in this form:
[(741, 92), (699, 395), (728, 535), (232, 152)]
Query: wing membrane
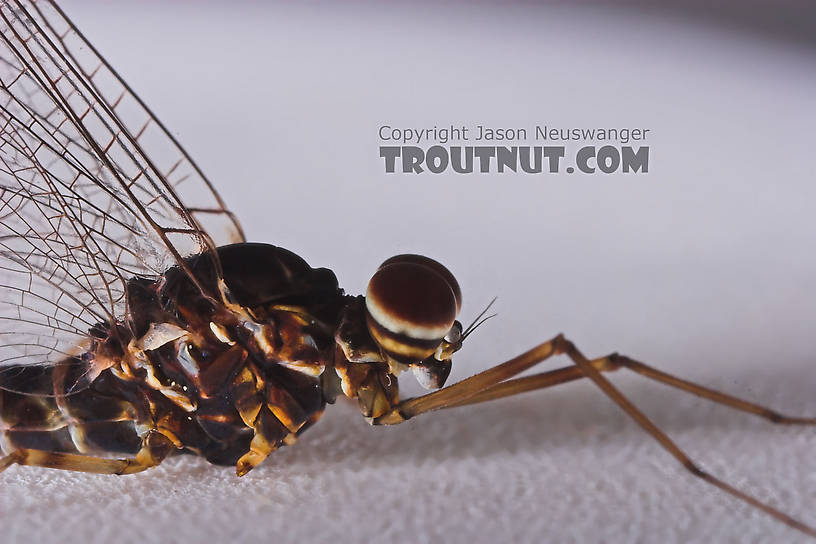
[(93, 191)]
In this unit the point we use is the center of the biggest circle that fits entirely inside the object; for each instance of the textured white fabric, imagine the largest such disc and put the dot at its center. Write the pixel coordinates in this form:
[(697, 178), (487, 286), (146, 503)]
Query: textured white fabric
[(703, 268), (559, 467)]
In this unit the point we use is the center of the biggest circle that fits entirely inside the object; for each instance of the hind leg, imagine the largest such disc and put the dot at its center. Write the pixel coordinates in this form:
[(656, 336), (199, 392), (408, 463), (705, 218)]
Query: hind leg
[(155, 448)]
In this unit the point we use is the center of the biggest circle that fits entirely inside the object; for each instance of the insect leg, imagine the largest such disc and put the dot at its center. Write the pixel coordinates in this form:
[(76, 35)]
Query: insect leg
[(710, 394), (517, 386), (155, 448), (614, 362), (469, 387), (613, 393), (496, 383)]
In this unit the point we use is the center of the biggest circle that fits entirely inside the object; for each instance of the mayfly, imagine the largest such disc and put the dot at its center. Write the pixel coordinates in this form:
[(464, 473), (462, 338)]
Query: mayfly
[(137, 321)]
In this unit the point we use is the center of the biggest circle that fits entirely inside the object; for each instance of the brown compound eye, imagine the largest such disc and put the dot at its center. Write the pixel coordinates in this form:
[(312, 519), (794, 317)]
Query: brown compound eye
[(436, 266), (411, 304)]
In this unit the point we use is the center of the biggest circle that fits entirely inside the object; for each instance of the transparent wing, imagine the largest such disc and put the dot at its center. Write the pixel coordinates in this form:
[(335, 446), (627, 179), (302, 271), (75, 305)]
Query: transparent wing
[(93, 191)]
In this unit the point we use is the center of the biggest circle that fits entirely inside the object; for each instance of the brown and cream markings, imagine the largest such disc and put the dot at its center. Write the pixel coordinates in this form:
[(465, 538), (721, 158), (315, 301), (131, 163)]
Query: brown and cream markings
[(138, 322)]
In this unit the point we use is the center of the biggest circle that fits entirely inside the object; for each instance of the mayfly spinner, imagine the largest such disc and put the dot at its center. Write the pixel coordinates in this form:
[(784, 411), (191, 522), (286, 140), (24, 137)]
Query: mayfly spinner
[(137, 322)]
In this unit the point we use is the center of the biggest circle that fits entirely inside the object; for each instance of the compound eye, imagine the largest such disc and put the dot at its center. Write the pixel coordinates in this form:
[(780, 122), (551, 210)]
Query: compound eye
[(411, 306), (436, 266)]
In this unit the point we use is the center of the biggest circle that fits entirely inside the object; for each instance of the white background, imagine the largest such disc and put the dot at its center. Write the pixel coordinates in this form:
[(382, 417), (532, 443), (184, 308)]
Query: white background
[(704, 267)]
